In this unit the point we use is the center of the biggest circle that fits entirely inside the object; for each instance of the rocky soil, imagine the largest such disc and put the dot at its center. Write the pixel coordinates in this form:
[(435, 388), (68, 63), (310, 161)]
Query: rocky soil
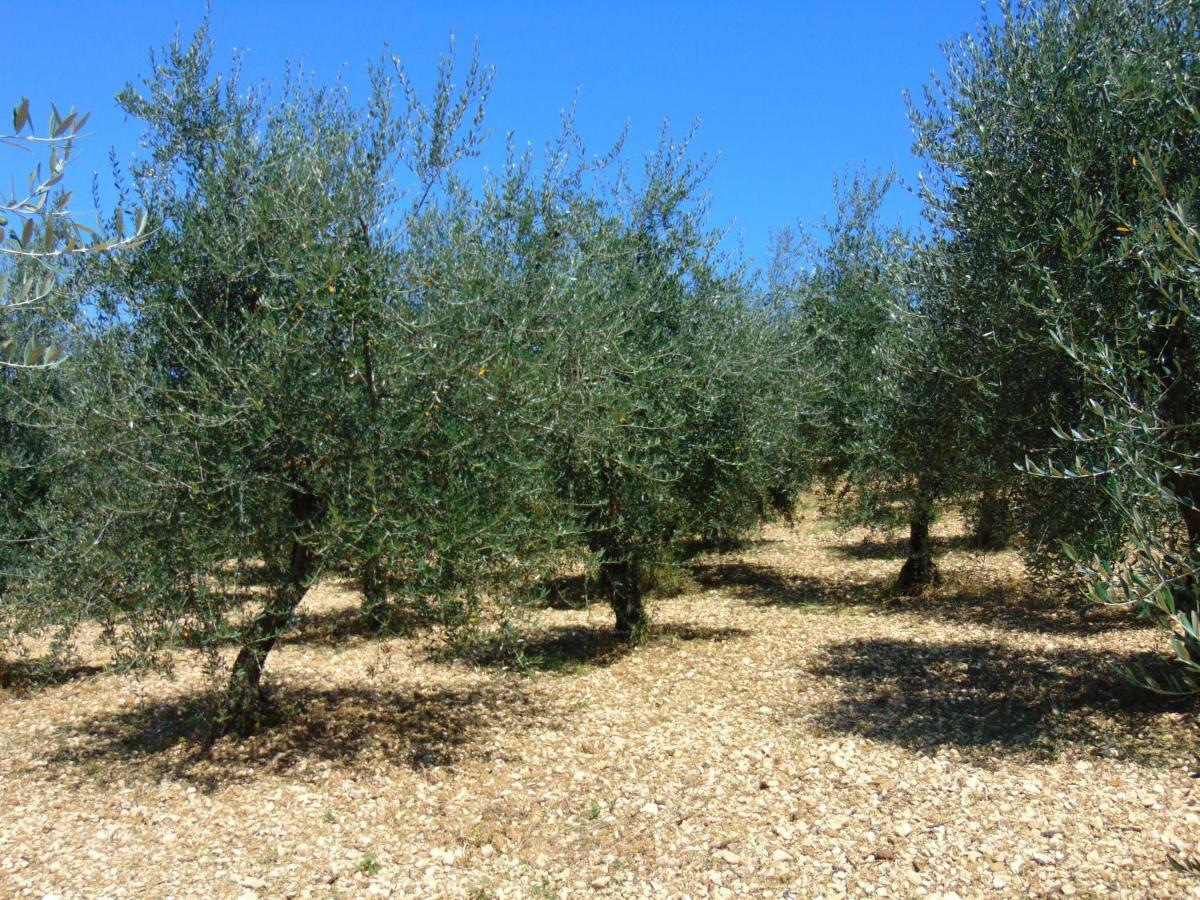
[(791, 729)]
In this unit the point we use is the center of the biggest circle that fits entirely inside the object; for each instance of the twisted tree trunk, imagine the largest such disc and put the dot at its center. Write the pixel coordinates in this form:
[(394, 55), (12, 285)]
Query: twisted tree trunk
[(618, 578), (245, 693), (919, 570), (620, 583)]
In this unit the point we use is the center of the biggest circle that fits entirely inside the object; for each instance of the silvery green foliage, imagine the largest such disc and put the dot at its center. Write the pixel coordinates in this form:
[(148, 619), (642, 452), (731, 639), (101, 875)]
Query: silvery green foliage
[(1140, 436), (330, 355), (39, 232), (667, 404), (42, 243), (262, 382), (883, 411), (1063, 155)]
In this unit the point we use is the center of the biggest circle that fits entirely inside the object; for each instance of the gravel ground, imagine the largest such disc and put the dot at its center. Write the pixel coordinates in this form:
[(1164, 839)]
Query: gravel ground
[(791, 729)]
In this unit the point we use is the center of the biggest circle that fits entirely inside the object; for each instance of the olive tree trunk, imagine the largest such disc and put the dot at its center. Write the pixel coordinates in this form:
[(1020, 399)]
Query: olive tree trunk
[(620, 584), (993, 523), (919, 570), (245, 692)]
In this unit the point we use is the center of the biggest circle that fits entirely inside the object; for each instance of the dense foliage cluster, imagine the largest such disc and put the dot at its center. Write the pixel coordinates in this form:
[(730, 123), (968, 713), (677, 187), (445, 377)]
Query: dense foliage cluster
[(1033, 360), (1063, 156), (330, 355), (41, 240)]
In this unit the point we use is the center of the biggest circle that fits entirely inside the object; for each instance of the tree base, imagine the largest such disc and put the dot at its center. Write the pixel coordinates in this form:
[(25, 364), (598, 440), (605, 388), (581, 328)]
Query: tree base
[(380, 619), (631, 622), (245, 707), (377, 611), (918, 574), (993, 526), (621, 583), (988, 542)]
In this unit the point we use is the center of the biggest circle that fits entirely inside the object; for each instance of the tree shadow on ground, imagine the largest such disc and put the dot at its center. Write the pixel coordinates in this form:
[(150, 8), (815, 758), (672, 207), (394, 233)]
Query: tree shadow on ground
[(568, 592), (579, 591), (1012, 605), (328, 627), (28, 674), (987, 698), (420, 729), (696, 547), (876, 547), (1019, 607), (337, 626), (767, 584), (571, 648)]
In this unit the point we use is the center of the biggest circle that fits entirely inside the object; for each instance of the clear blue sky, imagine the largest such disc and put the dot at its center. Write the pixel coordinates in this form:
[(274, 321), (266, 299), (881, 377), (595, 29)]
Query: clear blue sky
[(788, 93)]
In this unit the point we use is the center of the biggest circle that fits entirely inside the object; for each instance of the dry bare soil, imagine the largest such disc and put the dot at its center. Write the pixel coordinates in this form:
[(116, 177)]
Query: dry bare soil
[(791, 729)]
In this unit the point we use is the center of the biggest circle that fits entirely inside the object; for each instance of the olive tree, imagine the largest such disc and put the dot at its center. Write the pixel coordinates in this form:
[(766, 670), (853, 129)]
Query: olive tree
[(880, 450), (265, 389), (1030, 147), (1062, 148), (665, 396)]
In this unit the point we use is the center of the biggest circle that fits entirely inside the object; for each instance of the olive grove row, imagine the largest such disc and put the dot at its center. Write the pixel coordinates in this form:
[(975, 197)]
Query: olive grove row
[(327, 343)]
